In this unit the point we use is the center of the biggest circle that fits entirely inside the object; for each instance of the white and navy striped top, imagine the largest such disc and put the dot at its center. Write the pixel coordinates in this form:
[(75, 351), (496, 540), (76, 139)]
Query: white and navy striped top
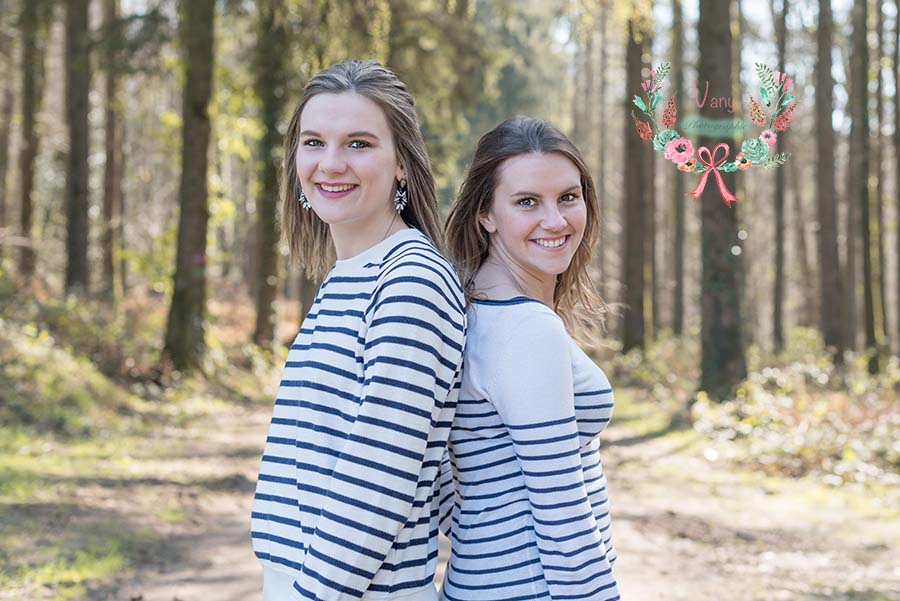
[(344, 498), (530, 514)]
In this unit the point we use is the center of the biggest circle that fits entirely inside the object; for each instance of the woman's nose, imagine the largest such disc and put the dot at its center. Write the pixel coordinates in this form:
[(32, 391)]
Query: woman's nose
[(553, 219), (332, 161)]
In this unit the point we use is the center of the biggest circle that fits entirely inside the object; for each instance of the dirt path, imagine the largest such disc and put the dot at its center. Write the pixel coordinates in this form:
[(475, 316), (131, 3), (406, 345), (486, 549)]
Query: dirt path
[(211, 558), (685, 528)]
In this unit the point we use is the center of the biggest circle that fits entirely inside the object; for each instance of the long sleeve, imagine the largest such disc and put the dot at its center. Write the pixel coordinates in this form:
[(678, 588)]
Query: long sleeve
[(532, 390), (445, 495), (384, 475)]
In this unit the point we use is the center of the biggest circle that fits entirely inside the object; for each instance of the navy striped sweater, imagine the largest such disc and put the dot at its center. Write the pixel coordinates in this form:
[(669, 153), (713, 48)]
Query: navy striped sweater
[(530, 514), (344, 500)]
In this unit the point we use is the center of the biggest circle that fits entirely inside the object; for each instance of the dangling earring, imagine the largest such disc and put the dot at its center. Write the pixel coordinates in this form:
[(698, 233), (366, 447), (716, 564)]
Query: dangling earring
[(400, 197), (304, 202)]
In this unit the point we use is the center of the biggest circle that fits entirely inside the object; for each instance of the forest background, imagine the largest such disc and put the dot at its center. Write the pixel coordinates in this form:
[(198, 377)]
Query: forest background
[(146, 304)]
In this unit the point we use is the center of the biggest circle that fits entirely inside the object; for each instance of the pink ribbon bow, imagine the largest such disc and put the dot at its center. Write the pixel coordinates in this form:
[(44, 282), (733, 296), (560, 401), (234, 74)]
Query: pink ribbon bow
[(711, 162)]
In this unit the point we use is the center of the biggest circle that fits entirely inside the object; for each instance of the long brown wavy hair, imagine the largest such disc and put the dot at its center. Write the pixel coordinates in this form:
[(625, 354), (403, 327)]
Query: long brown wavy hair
[(308, 237), (574, 298)]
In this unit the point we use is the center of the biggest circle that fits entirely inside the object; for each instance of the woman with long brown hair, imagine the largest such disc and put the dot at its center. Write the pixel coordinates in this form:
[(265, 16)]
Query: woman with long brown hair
[(531, 517), (343, 505)]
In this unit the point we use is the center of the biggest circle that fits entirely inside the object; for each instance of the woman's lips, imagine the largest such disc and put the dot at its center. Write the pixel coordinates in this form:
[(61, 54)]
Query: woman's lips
[(562, 246), (333, 191)]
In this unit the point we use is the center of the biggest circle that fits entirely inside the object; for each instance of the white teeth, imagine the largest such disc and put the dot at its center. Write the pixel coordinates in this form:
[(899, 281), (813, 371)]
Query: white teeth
[(551, 243), (340, 188)]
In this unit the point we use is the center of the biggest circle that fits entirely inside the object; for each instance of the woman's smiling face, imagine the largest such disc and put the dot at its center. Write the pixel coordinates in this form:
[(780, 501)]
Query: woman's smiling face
[(537, 218), (347, 163)]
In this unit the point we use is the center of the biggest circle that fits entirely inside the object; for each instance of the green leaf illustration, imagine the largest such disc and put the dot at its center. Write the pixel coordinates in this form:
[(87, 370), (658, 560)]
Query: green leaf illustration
[(640, 103), (765, 96), (662, 71), (787, 100), (767, 79), (654, 100), (776, 160)]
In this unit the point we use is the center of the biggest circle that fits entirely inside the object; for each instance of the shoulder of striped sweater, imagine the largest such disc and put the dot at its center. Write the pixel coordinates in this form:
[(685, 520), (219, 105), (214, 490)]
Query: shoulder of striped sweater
[(418, 261), (529, 321)]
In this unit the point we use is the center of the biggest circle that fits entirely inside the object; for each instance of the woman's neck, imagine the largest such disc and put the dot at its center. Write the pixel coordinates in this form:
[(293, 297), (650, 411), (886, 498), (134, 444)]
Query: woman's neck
[(352, 239), (500, 278)]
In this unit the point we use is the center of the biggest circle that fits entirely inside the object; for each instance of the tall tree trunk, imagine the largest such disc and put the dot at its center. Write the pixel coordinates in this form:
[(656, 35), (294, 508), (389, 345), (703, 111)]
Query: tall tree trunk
[(186, 326), (778, 304), (601, 156), (882, 328), (634, 201), (859, 167), (723, 365), (806, 318), (748, 296), (651, 267), (112, 174), (579, 133), (78, 85), (652, 300), (34, 21), (897, 152), (120, 222), (831, 281), (270, 84), (587, 105), (852, 224), (6, 112), (678, 199)]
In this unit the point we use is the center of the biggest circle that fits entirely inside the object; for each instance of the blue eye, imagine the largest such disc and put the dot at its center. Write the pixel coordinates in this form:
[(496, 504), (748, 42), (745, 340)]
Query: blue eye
[(313, 143), (569, 197), (357, 144), (526, 202)]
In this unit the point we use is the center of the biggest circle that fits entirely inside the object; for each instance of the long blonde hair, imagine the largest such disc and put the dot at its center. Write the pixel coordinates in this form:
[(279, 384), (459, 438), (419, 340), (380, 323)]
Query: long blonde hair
[(308, 237), (574, 297)]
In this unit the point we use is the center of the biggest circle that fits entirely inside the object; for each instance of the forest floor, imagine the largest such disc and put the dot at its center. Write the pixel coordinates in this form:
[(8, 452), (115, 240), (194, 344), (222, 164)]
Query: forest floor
[(121, 483), (165, 518)]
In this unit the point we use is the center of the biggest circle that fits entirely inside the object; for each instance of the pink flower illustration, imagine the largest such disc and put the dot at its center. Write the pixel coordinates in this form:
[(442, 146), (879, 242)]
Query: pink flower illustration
[(769, 137), (787, 83), (678, 150)]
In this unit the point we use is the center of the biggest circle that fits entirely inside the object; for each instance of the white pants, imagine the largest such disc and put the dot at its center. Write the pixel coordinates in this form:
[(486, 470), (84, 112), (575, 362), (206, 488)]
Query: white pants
[(278, 586)]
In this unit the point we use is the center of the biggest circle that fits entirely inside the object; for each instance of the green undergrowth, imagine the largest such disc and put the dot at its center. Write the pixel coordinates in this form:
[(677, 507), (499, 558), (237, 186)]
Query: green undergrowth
[(75, 368), (694, 461), (795, 414), (85, 496)]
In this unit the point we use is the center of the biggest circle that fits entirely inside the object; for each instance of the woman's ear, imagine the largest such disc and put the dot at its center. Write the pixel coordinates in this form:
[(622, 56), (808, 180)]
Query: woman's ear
[(487, 222), (400, 175)]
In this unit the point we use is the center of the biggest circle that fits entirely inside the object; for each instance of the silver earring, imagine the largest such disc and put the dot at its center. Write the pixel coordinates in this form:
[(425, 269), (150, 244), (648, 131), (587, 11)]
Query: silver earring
[(304, 202), (400, 197)]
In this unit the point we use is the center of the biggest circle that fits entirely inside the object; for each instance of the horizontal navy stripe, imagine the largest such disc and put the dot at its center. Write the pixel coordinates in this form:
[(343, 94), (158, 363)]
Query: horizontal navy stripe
[(593, 392), (547, 424), (415, 300)]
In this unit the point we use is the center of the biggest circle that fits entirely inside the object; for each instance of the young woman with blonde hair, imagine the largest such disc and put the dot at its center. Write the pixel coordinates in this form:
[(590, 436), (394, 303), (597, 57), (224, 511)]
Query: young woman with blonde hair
[(530, 514), (343, 506)]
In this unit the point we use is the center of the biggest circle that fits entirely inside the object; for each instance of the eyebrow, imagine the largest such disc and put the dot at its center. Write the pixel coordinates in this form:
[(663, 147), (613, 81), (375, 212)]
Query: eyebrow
[(352, 134), (566, 191)]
